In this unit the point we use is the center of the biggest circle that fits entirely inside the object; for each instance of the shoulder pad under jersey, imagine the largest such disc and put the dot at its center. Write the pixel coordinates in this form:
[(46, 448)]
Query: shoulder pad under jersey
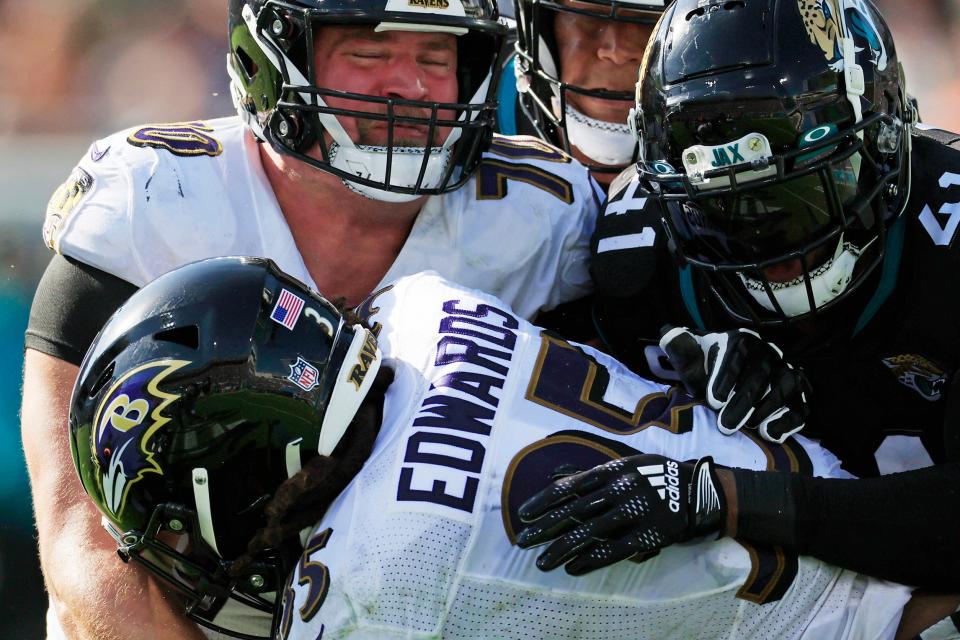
[(935, 194), (145, 200), (942, 136), (520, 228), (628, 242)]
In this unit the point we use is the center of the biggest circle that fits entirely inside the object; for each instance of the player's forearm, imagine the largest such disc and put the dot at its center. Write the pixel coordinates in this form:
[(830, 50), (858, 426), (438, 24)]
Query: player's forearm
[(93, 593), (97, 597), (902, 527)]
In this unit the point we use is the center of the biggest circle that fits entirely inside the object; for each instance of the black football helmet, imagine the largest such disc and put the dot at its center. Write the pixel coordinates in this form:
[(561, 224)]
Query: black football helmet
[(544, 96), (272, 72), (776, 137), (203, 393)]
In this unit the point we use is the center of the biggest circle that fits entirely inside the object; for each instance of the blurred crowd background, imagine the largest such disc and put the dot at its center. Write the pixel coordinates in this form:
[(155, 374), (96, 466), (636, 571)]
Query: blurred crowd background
[(75, 70)]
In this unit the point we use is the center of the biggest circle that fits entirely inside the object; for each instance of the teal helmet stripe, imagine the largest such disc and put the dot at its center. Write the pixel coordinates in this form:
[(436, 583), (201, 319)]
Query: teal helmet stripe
[(507, 99), (888, 277)]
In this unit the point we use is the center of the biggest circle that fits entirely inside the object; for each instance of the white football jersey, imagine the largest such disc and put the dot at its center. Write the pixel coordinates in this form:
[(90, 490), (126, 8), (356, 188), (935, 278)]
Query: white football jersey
[(145, 201), (483, 408)]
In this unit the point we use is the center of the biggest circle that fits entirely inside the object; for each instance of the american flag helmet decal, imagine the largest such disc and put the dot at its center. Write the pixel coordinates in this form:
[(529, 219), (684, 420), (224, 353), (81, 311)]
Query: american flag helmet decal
[(287, 310)]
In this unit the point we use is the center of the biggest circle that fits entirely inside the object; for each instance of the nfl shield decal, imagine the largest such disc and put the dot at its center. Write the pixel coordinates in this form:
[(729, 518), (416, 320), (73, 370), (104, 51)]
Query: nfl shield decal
[(303, 374)]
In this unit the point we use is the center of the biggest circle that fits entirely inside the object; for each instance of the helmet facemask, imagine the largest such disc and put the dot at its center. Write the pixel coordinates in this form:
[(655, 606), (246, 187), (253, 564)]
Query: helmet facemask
[(546, 99), (305, 120), (171, 548), (794, 231)]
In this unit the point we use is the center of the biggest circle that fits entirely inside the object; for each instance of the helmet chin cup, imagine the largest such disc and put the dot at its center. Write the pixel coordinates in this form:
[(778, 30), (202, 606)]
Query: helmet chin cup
[(608, 143), (827, 282), (406, 164)]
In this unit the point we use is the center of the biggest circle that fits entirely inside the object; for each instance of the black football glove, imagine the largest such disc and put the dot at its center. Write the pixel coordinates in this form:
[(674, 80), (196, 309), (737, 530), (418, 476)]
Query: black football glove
[(742, 376), (626, 508)]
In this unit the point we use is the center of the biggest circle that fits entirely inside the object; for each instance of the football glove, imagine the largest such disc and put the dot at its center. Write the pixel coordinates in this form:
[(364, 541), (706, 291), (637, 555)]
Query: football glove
[(626, 508), (742, 376)]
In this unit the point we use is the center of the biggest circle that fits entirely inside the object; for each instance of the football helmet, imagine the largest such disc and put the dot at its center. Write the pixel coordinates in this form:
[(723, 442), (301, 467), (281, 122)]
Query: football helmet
[(273, 85), (544, 96), (203, 393), (776, 138)]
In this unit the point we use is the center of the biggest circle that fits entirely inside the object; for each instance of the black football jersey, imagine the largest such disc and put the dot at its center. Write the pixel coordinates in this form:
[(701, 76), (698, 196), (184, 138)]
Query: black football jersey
[(881, 364)]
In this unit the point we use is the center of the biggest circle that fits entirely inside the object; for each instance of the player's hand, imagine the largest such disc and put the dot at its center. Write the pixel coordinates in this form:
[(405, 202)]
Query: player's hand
[(742, 376), (631, 507)]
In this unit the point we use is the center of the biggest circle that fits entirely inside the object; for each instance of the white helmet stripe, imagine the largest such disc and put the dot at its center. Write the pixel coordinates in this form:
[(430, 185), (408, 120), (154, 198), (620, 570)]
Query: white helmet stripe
[(292, 457), (346, 397), (329, 121), (201, 496)]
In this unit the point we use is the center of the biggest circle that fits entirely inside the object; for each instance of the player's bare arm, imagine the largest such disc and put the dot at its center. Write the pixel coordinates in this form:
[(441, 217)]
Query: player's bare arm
[(94, 596)]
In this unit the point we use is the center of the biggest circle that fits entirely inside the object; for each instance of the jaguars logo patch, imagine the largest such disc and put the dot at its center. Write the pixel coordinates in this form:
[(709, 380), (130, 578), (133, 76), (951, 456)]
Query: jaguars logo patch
[(919, 374), (179, 138), (829, 22), (822, 21), (62, 203), (125, 423)]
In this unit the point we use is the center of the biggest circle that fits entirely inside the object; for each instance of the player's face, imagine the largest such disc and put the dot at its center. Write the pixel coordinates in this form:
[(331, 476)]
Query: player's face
[(597, 53), (390, 64)]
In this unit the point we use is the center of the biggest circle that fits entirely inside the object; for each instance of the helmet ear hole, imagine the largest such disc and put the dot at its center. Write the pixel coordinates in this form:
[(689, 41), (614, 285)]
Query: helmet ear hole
[(188, 336), (247, 65)]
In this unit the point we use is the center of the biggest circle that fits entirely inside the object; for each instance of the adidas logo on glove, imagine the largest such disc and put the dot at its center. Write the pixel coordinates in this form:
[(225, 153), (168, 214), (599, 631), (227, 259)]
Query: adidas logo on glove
[(665, 482)]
